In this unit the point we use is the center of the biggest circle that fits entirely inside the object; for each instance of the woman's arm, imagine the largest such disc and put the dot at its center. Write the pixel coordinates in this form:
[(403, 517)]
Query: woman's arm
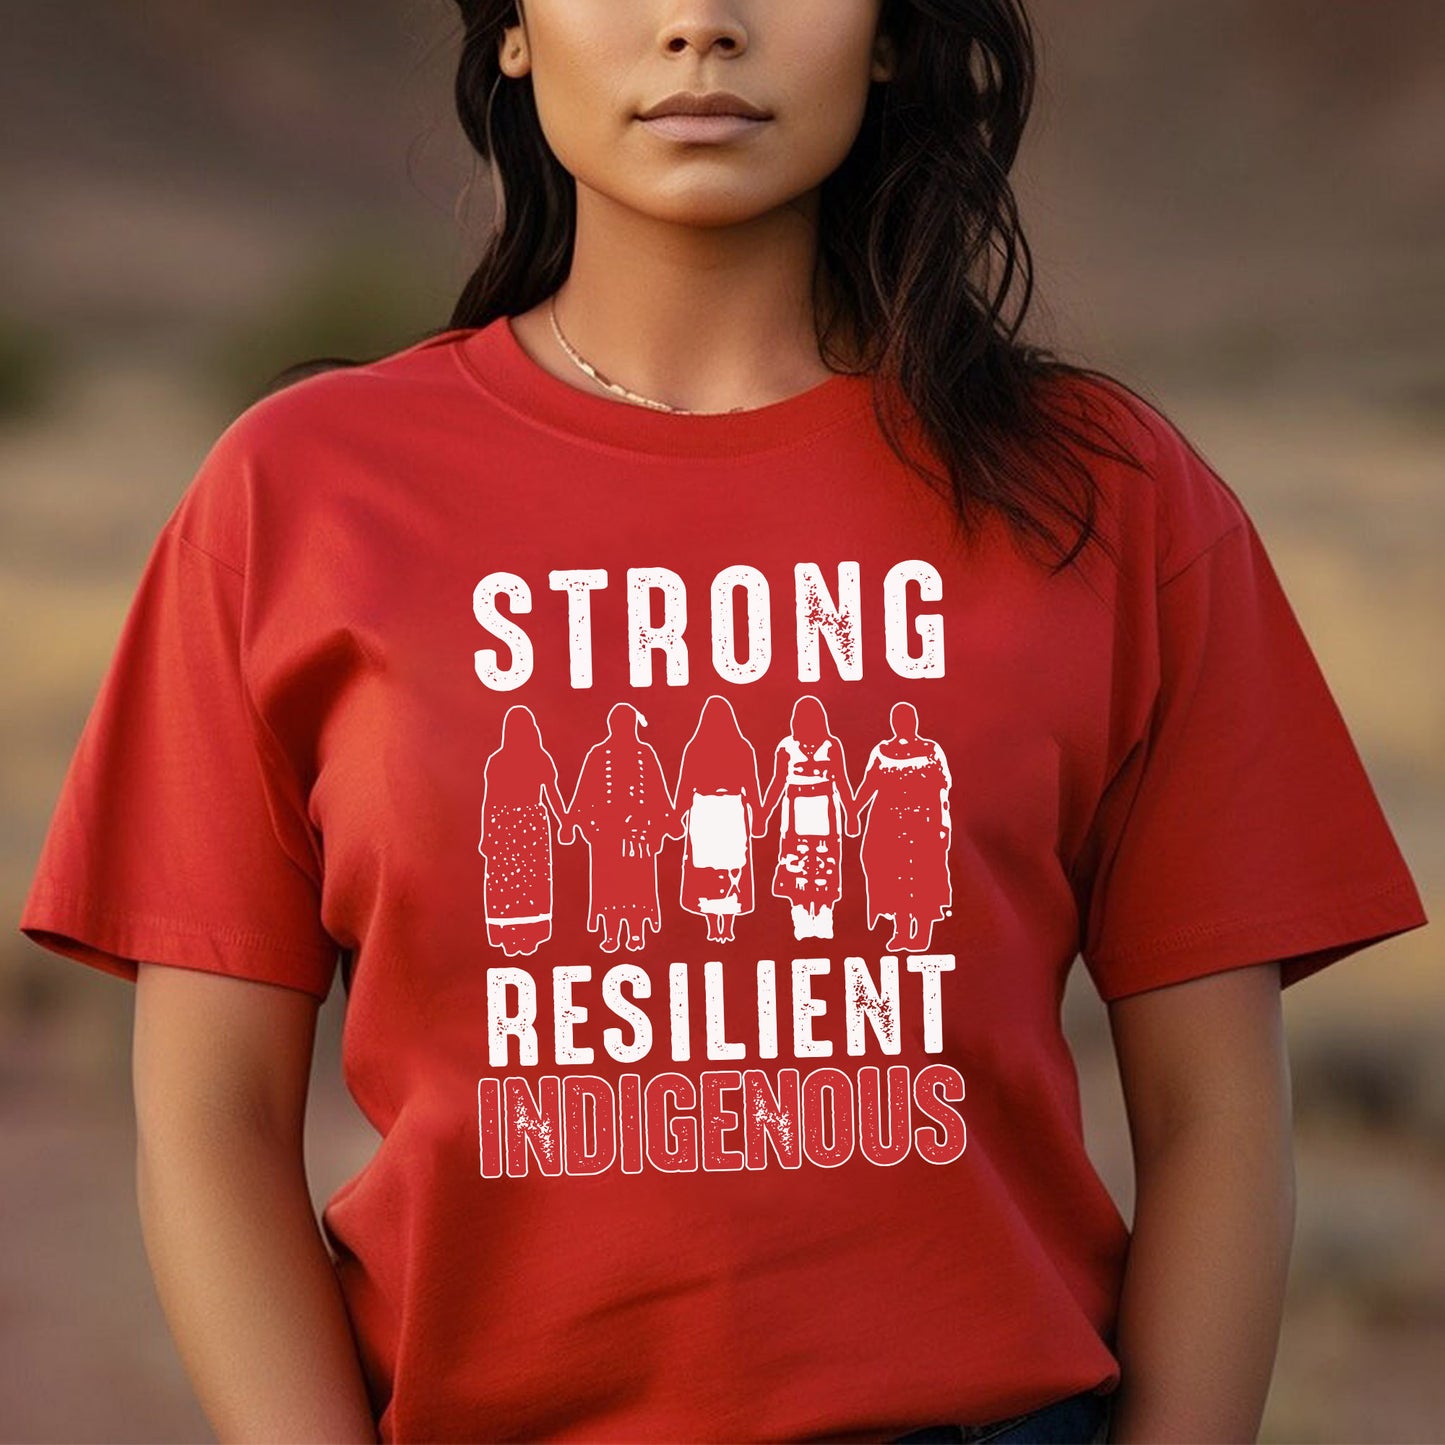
[(552, 794), (776, 784), (1206, 1084), (221, 1067), (854, 803)]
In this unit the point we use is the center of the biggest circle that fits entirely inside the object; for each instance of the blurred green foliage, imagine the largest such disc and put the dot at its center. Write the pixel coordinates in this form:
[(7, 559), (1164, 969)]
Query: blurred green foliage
[(30, 363), (363, 298)]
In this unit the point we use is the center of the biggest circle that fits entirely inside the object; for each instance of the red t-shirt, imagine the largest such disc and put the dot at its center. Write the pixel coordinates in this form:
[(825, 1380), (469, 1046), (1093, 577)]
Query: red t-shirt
[(705, 834)]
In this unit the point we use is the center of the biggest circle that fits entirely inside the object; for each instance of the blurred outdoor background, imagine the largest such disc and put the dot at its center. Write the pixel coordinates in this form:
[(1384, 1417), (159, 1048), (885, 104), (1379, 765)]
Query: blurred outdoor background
[(1236, 205)]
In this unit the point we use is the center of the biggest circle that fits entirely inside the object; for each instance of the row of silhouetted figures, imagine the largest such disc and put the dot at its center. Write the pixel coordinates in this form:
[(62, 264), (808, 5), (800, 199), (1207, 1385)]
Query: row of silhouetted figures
[(623, 809)]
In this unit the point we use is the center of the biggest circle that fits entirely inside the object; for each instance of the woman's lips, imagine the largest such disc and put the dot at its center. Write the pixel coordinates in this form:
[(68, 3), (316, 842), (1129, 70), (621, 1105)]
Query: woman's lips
[(708, 128)]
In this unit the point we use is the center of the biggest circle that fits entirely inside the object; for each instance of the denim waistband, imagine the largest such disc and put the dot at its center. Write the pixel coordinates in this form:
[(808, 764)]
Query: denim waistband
[(1081, 1418)]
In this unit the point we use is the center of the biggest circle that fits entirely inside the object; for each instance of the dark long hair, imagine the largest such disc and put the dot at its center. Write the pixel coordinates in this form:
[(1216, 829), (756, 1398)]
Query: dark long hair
[(921, 257)]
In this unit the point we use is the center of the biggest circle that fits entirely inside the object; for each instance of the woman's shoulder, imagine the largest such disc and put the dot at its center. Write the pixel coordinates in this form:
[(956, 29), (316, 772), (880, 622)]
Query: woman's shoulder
[(314, 400), (1153, 475), (303, 436)]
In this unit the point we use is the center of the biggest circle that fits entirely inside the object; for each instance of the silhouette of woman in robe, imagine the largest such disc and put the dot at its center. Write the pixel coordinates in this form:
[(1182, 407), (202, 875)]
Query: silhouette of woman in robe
[(717, 798), (904, 852), (810, 779), (621, 806), (519, 784)]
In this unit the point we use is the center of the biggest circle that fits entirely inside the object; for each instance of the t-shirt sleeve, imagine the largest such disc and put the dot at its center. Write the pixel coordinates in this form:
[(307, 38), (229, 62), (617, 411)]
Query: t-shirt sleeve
[(1241, 827), (163, 844)]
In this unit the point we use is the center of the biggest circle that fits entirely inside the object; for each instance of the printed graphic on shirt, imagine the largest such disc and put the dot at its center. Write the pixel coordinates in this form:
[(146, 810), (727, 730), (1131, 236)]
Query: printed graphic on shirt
[(624, 808), (737, 654), (905, 788), (719, 799), (520, 786), (580, 1124), (810, 791)]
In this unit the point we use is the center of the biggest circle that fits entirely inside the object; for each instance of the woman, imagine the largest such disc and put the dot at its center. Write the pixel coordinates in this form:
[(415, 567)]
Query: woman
[(717, 798), (810, 782), (520, 779), (622, 808), (905, 844), (742, 329)]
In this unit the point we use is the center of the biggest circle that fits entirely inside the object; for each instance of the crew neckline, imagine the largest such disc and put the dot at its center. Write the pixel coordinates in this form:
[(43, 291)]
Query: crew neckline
[(495, 359)]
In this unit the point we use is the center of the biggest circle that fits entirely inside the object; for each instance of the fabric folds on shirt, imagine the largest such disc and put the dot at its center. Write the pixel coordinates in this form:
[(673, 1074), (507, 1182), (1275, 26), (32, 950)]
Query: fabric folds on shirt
[(705, 833)]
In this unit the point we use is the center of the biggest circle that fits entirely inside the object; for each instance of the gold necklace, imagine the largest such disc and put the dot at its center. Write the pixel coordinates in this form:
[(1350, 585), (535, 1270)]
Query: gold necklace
[(613, 386)]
